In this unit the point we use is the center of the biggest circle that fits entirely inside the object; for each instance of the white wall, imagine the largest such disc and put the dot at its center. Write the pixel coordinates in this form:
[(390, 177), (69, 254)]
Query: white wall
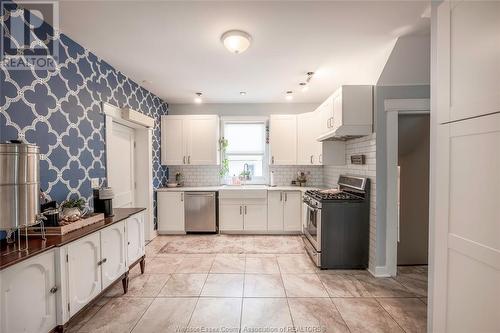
[(409, 62), (247, 109)]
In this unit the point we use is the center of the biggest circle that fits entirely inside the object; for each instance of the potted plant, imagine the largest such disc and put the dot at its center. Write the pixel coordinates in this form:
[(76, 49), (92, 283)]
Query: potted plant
[(72, 209), (224, 170)]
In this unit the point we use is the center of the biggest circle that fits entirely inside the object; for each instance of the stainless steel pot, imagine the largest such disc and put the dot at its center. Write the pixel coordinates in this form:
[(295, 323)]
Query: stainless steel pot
[(19, 185)]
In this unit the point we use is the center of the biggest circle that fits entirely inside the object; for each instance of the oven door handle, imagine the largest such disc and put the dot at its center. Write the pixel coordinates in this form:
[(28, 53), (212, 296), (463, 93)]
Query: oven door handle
[(314, 209)]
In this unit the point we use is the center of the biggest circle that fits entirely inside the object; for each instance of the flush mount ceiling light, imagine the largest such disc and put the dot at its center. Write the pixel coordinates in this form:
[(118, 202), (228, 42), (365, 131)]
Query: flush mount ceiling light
[(198, 99), (243, 93), (289, 95), (305, 85), (236, 41)]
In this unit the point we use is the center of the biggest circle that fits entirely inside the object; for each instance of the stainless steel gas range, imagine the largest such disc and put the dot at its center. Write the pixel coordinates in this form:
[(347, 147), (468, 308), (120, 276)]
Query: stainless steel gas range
[(338, 226)]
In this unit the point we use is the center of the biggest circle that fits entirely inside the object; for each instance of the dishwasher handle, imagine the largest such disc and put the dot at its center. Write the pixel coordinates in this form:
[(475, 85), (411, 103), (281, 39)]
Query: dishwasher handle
[(201, 194)]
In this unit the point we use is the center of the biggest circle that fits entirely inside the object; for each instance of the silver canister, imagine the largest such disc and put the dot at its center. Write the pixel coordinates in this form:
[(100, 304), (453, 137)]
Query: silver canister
[(19, 185)]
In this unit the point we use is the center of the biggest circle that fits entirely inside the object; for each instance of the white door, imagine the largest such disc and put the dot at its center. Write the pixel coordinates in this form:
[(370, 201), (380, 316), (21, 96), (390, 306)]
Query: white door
[(231, 217), (84, 271), (202, 140), (308, 149), (467, 248), (292, 210), (173, 145), (275, 211), (135, 238), (255, 217), (121, 165), (468, 53), (28, 300), (170, 212), (283, 139), (113, 254)]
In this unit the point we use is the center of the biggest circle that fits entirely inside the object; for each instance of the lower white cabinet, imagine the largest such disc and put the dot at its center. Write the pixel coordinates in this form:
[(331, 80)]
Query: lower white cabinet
[(245, 215), (28, 295), (170, 212), (284, 211), (135, 238), (84, 271), (113, 253)]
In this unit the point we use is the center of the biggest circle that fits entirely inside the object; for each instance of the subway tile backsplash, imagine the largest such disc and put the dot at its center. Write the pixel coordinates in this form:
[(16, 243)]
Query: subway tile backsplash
[(196, 175)]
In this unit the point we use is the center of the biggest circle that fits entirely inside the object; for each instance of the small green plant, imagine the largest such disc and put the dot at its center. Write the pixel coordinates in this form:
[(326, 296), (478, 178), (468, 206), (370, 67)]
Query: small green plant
[(74, 203), (224, 170)]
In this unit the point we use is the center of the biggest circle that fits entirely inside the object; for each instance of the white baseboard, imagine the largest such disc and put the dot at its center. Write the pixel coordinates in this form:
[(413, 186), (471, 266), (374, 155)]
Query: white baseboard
[(379, 271)]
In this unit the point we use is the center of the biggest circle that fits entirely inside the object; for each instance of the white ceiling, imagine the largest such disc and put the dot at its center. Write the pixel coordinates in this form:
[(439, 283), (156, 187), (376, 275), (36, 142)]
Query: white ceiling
[(175, 46)]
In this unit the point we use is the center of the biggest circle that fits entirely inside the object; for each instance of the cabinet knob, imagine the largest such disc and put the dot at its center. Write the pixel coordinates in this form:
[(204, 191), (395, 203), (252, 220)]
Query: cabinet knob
[(53, 290), (104, 260)]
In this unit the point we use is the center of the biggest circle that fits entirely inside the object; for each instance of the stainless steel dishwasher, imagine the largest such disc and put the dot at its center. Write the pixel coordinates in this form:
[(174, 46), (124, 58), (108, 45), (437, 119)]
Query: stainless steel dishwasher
[(200, 210)]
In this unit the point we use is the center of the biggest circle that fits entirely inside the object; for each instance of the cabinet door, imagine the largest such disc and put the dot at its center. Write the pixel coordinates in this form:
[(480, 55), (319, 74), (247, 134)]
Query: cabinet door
[(113, 253), (135, 238), (84, 271), (27, 303), (255, 217), (203, 140), (308, 149), (468, 53), (173, 145), (467, 215), (325, 114), (292, 211), (275, 211), (336, 120), (231, 217), (170, 212), (283, 139)]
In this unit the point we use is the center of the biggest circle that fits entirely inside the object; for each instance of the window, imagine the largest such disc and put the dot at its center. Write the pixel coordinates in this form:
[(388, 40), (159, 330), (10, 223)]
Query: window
[(246, 149)]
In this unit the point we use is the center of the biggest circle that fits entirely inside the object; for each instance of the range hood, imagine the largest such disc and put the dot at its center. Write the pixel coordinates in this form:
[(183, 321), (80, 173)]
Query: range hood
[(346, 132), (348, 113)]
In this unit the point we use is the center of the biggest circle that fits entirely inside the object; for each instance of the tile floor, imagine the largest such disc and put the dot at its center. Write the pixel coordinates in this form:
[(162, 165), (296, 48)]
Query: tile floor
[(222, 283)]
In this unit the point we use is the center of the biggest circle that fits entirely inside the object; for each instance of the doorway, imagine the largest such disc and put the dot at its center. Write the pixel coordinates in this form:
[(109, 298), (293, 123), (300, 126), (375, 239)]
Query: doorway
[(413, 189), (122, 165)]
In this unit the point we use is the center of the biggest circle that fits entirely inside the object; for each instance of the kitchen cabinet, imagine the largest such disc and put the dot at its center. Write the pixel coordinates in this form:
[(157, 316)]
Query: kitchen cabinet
[(468, 53), (190, 140), (113, 253), (309, 150), (284, 211), (84, 271), (348, 113), (283, 139), (135, 238), (243, 215), (170, 212), (28, 295)]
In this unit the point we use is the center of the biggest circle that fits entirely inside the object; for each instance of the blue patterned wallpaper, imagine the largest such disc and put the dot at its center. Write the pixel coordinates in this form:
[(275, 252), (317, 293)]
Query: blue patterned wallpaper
[(60, 111)]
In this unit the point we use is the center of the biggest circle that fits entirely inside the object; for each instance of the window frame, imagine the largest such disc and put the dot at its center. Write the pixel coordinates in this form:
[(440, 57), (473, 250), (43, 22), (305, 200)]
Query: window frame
[(250, 120)]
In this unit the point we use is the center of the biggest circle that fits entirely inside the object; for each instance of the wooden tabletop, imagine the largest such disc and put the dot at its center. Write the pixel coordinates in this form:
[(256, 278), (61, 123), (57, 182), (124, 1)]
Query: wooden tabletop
[(37, 245)]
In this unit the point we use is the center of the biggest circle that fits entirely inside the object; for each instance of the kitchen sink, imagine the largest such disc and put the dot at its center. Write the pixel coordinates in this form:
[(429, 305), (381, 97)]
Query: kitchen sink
[(243, 191)]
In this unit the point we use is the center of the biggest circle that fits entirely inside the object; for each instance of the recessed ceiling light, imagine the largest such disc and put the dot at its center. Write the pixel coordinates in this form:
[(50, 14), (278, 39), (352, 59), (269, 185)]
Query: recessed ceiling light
[(289, 95), (304, 86), (198, 99), (243, 93), (236, 41)]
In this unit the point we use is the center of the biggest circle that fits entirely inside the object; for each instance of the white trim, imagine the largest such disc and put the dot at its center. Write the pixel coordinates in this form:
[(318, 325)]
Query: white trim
[(414, 105), (127, 117), (144, 164), (380, 271), (394, 107)]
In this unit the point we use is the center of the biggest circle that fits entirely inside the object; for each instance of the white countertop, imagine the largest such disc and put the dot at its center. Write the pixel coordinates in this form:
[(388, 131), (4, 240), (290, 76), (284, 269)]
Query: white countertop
[(237, 187)]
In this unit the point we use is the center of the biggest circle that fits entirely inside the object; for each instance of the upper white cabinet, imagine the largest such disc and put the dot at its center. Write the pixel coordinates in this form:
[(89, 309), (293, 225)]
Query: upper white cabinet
[(468, 53), (113, 253), (190, 140), (309, 150), (28, 295), (170, 212), (348, 113), (283, 139), (84, 271), (135, 238)]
